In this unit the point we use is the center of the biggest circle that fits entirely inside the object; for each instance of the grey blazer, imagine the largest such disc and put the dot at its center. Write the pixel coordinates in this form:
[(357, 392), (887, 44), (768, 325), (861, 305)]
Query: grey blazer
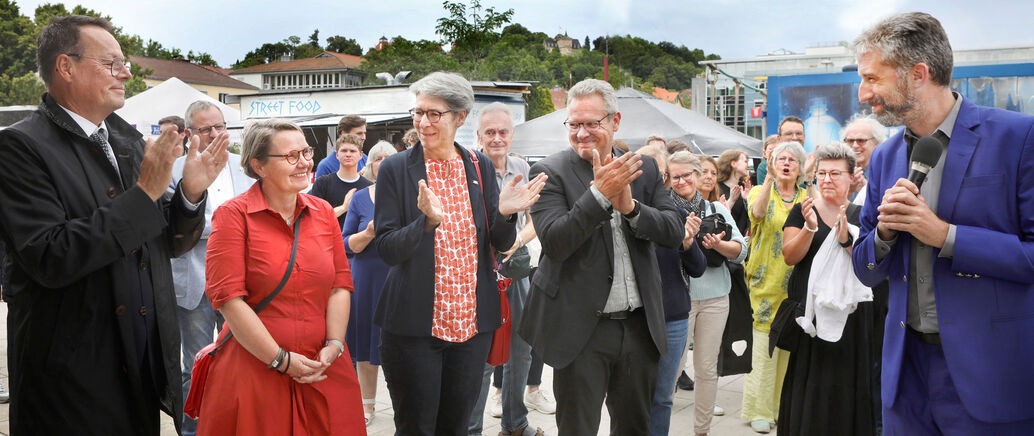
[(188, 270)]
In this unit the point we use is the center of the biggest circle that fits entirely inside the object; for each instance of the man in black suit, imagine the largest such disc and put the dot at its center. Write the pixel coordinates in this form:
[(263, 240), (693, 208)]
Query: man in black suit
[(93, 342), (595, 309)]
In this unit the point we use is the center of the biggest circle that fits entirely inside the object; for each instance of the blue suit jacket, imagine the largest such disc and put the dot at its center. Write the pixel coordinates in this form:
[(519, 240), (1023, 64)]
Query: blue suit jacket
[(985, 292), (188, 270)]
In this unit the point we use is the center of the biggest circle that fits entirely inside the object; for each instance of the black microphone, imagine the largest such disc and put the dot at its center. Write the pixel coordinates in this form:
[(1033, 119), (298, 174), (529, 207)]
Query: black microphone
[(925, 153)]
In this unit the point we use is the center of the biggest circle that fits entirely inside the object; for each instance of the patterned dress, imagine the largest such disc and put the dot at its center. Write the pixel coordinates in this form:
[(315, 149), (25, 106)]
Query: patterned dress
[(768, 275), (455, 253)]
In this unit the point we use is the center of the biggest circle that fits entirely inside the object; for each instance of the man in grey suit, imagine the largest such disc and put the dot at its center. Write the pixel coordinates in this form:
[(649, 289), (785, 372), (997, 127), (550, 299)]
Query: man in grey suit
[(197, 320), (598, 218)]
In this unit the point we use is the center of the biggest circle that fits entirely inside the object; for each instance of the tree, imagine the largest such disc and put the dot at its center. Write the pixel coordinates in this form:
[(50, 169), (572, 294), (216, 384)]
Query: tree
[(471, 37), (586, 45), (314, 39), (137, 85), (420, 57), (340, 44), (17, 55), (539, 102), (22, 90)]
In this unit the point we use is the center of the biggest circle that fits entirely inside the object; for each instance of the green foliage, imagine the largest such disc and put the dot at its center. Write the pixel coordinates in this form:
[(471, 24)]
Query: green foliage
[(664, 64), (341, 44), (17, 53), (18, 32), (22, 90), (420, 57), (473, 34), (539, 102), (137, 85)]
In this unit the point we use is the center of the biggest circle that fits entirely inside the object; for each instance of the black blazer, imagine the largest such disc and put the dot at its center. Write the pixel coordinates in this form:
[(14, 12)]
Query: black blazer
[(406, 305), (574, 275), (76, 238)]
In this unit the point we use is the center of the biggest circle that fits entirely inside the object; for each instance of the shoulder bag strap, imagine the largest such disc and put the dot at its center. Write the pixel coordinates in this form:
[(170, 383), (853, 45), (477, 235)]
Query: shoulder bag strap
[(283, 282)]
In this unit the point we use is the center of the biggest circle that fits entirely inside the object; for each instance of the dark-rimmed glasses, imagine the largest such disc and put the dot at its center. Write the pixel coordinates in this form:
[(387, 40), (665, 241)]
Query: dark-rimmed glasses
[(206, 130), (432, 116), (292, 157), (116, 65), (589, 125)]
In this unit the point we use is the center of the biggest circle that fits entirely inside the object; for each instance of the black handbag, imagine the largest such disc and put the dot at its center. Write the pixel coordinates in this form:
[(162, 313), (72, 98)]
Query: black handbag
[(518, 266), (784, 331), (714, 223), (739, 327)]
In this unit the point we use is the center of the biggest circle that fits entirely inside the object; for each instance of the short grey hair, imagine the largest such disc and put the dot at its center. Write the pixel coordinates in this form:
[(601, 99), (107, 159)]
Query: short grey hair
[(686, 158), (199, 106), (381, 149), (589, 87), (258, 138), (904, 40), (836, 151), (494, 107), (450, 87), (797, 150), (879, 131)]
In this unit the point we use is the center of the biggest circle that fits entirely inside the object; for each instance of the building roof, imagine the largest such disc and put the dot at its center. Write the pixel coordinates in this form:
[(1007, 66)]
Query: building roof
[(664, 94), (223, 71), (327, 60), (163, 69)]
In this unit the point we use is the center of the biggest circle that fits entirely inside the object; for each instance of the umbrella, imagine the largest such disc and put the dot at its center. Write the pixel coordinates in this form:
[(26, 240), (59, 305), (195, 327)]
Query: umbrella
[(642, 115)]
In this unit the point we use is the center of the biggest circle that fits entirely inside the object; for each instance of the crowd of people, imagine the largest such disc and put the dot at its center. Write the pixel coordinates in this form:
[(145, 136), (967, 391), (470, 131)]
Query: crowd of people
[(429, 259)]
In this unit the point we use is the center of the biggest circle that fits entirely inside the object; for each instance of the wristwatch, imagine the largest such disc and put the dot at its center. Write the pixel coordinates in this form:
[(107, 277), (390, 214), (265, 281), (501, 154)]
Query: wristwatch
[(635, 210)]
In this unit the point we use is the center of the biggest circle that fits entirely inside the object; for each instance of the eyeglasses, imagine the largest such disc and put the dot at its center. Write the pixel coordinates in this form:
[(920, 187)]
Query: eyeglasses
[(292, 157), (833, 175), (432, 116), (682, 177), (206, 130), (589, 125), (116, 65), (791, 160), (859, 141)]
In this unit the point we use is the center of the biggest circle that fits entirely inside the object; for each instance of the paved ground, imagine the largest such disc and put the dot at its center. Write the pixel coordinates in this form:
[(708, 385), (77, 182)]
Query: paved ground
[(729, 394)]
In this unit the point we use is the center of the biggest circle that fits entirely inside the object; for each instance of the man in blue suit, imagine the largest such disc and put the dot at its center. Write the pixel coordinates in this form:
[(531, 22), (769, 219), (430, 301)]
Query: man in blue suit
[(197, 320), (958, 253)]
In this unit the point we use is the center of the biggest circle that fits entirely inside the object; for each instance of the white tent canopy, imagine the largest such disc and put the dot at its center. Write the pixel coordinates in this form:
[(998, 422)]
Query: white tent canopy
[(641, 115), (170, 97)]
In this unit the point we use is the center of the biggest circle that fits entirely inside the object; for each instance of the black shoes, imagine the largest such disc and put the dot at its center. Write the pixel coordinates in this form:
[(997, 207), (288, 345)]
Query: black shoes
[(685, 383)]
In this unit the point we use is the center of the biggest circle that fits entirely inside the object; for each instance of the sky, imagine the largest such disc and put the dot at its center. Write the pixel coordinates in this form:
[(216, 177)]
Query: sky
[(729, 28)]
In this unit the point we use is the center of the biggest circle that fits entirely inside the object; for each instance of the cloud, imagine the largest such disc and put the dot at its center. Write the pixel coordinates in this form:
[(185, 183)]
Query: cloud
[(856, 16)]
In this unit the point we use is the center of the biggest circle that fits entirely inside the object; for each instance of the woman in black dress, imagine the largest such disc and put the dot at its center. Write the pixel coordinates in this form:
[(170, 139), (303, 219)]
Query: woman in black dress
[(827, 389), (734, 184)]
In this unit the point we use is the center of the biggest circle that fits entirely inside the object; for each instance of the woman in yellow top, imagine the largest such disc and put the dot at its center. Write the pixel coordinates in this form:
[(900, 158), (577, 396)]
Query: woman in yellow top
[(767, 277)]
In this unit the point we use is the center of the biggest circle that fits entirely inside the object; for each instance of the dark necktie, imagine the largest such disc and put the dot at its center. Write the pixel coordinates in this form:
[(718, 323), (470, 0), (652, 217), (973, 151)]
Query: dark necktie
[(101, 139)]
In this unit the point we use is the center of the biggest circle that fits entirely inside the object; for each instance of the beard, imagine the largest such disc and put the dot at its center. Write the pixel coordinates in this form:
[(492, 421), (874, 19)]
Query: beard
[(898, 114)]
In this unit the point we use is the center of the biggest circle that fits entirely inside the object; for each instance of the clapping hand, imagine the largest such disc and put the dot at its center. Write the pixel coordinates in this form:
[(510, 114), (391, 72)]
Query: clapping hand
[(692, 227), (203, 165), (811, 220), (430, 205), (843, 232), (711, 240), (156, 167), (513, 198), (613, 178)]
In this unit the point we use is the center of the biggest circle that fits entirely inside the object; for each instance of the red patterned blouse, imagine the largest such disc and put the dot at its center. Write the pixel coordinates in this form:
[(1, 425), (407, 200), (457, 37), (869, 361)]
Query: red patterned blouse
[(455, 252)]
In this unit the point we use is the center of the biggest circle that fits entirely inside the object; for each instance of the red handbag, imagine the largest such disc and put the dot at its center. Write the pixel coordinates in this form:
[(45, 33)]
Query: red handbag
[(500, 351), (203, 359)]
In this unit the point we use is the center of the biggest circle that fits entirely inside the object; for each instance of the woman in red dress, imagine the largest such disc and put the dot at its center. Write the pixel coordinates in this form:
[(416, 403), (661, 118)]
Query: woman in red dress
[(285, 371)]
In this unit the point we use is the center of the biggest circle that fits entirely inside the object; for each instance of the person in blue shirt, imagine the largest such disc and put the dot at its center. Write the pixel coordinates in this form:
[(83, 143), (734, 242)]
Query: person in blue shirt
[(353, 124)]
